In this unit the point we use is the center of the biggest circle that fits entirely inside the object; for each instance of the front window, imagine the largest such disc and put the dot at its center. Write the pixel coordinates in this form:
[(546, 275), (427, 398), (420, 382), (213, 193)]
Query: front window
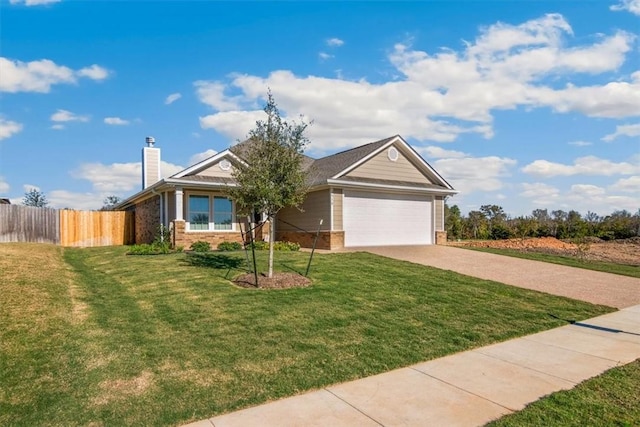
[(210, 213), (199, 212), (222, 213)]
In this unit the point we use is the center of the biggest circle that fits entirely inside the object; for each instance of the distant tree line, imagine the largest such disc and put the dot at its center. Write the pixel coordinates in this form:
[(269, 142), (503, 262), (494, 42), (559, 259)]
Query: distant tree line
[(491, 222)]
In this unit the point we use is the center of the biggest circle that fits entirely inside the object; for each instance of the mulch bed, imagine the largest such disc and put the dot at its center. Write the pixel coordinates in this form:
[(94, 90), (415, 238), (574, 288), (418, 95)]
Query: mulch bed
[(278, 281)]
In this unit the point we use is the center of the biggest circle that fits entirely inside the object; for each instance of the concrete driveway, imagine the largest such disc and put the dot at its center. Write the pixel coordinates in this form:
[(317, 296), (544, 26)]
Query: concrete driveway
[(592, 286)]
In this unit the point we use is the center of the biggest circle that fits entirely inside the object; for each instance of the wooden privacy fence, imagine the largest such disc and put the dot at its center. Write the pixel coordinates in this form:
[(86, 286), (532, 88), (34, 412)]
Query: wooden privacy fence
[(65, 227), (28, 224), (96, 228)]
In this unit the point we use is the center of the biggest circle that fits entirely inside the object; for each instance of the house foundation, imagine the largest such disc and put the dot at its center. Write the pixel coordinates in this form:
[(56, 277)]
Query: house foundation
[(326, 239)]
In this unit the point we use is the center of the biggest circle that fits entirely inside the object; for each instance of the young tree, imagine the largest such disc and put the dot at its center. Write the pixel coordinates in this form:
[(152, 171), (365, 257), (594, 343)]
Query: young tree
[(273, 177), (109, 202), (35, 198)]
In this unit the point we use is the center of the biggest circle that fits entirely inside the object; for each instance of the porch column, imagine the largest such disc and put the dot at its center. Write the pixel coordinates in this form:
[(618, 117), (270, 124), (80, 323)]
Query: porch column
[(179, 208)]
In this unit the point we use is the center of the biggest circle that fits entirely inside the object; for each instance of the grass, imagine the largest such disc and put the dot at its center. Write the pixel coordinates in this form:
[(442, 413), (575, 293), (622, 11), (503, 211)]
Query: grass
[(606, 267), (92, 336), (610, 399)]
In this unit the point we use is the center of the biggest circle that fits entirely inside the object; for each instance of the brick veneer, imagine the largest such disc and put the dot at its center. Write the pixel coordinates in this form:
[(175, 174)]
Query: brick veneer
[(147, 220), (326, 239), (180, 237), (441, 237)]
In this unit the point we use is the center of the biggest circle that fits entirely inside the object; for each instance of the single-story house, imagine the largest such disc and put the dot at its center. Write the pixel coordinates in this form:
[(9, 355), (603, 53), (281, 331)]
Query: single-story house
[(381, 193)]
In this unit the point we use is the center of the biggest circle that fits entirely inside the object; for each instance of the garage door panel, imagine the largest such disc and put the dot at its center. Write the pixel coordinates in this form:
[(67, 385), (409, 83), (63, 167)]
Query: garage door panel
[(373, 219)]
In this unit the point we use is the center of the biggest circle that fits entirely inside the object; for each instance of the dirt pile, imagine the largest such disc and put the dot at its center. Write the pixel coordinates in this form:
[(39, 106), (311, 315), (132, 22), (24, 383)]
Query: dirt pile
[(625, 251)]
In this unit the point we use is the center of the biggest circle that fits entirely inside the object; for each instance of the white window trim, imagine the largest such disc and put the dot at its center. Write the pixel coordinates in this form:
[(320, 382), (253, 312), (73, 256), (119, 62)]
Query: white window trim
[(211, 228)]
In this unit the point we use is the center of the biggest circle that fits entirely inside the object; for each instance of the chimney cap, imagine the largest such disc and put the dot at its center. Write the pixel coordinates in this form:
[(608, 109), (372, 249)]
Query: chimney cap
[(150, 141)]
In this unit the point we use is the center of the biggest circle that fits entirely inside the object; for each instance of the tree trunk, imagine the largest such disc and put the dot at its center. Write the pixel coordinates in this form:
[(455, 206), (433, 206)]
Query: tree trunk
[(272, 238)]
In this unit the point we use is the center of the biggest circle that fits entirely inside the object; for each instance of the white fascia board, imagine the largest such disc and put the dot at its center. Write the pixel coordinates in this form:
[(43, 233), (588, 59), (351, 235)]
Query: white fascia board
[(365, 158), (365, 185), (407, 149), (129, 200), (208, 162), (173, 182), (417, 157)]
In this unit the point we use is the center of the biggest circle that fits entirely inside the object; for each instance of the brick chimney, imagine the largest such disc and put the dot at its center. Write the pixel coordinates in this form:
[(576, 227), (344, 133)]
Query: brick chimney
[(150, 163)]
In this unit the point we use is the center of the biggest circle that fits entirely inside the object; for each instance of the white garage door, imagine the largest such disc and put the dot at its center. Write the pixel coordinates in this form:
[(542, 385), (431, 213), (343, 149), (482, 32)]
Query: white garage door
[(375, 219)]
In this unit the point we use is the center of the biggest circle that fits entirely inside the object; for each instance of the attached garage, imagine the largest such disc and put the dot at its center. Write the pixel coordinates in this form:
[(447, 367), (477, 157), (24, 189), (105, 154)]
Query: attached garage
[(380, 218)]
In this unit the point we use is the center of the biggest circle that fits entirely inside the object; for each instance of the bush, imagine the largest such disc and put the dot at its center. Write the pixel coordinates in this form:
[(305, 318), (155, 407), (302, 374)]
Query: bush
[(200, 246), (260, 245), (146, 249), (286, 246), (229, 246), (277, 246)]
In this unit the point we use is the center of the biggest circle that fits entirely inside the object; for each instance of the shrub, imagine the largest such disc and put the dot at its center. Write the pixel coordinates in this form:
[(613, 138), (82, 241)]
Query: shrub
[(260, 245), (146, 249), (286, 246), (200, 246), (229, 246)]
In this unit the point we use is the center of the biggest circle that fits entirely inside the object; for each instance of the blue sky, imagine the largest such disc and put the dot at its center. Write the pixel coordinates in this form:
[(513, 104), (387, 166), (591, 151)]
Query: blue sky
[(528, 106)]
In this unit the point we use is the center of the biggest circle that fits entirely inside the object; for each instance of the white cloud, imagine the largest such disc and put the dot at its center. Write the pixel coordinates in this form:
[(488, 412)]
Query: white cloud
[(118, 177), (538, 189), (29, 187), (62, 199), (627, 185), (632, 6), (212, 94), (67, 116), (4, 185), (57, 127), (334, 42), (580, 143), (324, 56), (435, 152), (197, 158), (33, 2), (116, 121), (441, 95), (172, 98), (623, 130), (587, 197), (9, 128), (94, 72), (234, 124), (475, 173), (589, 165), (39, 76)]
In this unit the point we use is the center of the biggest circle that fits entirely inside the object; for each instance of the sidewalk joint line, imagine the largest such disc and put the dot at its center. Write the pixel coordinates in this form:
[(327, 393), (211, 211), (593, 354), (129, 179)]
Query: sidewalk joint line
[(532, 369), (462, 389), (357, 409), (571, 350)]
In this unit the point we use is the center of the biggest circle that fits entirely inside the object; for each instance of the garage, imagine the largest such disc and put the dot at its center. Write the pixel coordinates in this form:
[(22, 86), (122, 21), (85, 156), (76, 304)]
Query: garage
[(375, 219)]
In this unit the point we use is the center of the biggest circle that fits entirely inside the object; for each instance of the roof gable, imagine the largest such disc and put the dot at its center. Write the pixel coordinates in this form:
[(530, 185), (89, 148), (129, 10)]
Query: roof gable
[(208, 164), (360, 155)]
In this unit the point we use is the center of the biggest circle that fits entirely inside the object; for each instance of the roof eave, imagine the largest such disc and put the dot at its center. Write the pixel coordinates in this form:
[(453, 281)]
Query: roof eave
[(355, 184)]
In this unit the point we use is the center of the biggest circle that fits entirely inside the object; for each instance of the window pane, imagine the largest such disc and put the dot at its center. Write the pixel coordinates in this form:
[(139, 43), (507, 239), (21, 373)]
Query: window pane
[(222, 213), (198, 212), (199, 203)]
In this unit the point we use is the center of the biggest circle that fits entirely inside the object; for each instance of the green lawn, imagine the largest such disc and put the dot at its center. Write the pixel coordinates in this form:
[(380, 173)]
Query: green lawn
[(611, 399), (607, 267), (93, 336)]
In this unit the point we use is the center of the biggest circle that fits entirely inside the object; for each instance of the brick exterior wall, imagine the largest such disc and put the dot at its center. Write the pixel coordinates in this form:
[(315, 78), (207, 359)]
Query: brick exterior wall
[(326, 239), (180, 237), (147, 219), (441, 237)]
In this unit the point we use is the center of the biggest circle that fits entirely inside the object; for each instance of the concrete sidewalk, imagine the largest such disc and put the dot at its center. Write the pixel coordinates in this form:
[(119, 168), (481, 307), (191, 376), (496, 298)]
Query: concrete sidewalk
[(465, 389)]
